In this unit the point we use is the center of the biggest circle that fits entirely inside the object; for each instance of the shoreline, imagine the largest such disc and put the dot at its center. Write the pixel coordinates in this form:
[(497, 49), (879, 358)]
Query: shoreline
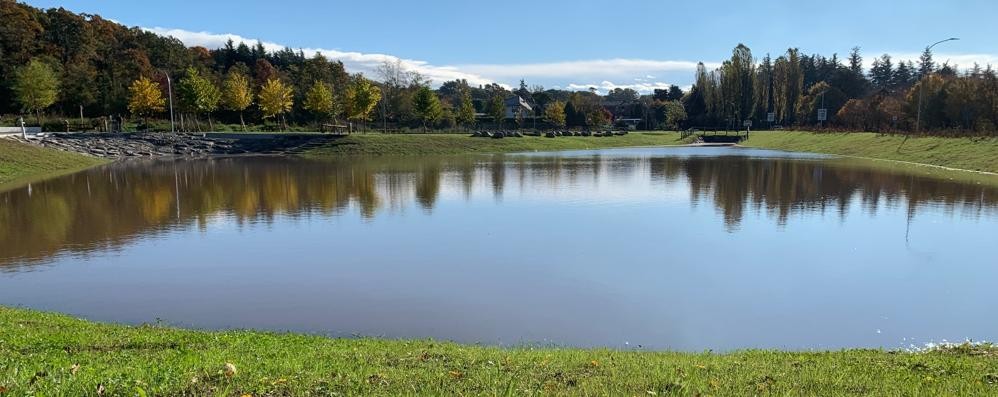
[(78, 356), (106, 148)]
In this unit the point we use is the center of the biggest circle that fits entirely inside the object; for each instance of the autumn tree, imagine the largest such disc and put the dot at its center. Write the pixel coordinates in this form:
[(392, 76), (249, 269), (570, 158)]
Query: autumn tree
[(426, 106), (237, 94), (146, 98), (319, 100), (36, 87), (554, 113), (361, 99), (275, 99)]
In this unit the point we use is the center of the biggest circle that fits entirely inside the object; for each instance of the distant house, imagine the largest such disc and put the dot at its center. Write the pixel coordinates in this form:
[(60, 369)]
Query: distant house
[(517, 106)]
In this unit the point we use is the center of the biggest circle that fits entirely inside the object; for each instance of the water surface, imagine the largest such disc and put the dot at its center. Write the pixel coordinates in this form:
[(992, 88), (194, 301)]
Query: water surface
[(665, 248)]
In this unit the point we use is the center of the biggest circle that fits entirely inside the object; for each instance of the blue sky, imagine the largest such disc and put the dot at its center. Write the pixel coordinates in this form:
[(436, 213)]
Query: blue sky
[(569, 44)]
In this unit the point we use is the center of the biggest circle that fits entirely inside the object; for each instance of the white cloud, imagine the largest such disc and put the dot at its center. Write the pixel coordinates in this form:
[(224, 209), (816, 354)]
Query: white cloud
[(619, 68), (476, 74), (354, 61)]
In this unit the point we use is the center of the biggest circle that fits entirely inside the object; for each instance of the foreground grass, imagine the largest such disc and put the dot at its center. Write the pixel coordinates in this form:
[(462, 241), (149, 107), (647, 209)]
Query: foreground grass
[(975, 154), (50, 354), (20, 161), (446, 144)]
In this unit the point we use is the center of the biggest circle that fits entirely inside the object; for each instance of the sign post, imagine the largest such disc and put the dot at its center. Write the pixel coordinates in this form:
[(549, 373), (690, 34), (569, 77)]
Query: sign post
[(822, 116), (771, 117)]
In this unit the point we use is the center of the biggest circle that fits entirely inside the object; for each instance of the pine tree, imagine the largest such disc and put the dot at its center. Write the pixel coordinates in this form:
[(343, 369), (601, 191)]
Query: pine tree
[(856, 61), (925, 64)]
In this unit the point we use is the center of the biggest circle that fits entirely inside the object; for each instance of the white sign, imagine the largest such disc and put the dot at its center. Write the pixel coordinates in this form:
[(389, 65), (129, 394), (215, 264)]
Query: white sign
[(747, 123), (771, 117), (822, 114)]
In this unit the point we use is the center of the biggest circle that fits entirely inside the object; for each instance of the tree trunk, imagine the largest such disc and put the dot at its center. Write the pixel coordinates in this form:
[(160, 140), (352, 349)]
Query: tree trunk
[(284, 123), (38, 116), (211, 126), (241, 122)]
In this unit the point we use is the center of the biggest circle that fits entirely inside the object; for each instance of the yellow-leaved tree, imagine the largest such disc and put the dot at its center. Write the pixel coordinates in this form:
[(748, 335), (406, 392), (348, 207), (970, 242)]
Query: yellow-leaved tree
[(319, 100), (145, 98), (275, 99), (554, 113), (237, 94), (361, 98)]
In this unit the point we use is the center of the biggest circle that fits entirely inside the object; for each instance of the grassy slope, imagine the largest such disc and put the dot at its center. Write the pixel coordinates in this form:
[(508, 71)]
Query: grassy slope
[(20, 161), (436, 144), (979, 154), (39, 351)]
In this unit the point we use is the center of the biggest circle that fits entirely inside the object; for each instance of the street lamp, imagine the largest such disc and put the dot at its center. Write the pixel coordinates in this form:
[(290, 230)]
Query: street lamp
[(169, 90), (921, 87)]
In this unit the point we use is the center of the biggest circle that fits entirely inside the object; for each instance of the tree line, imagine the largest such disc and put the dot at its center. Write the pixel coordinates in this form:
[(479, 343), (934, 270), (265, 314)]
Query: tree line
[(891, 96), (72, 65)]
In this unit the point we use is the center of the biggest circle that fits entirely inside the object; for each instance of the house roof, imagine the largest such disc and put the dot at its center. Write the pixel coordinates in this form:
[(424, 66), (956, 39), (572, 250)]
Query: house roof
[(516, 100)]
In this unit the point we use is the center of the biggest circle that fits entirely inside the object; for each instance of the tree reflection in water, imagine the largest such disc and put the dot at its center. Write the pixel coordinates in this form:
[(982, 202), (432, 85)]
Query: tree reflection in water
[(107, 207)]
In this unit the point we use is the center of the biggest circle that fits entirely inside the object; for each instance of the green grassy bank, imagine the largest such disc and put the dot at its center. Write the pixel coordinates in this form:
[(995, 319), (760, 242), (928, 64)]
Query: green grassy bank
[(20, 161), (53, 355), (445, 144), (975, 154)]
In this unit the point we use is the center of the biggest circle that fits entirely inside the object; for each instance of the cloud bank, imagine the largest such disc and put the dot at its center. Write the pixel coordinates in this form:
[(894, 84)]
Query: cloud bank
[(580, 75), (605, 71)]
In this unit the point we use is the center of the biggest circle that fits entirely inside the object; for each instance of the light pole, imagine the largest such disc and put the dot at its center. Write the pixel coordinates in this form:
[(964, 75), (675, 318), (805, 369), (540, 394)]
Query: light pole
[(921, 87), (169, 90)]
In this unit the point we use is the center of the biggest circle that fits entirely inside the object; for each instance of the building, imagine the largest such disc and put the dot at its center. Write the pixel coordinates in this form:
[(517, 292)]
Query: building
[(517, 107)]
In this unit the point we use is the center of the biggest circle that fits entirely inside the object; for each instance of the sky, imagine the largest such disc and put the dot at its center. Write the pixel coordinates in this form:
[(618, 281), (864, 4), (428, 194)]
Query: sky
[(640, 44)]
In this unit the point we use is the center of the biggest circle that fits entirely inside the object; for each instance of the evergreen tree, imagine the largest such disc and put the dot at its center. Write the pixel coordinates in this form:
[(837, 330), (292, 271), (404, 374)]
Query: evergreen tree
[(856, 61), (882, 72), (925, 64)]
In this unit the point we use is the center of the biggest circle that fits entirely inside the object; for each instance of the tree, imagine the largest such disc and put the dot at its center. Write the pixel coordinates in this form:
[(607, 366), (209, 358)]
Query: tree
[(497, 108), (925, 64), (466, 109), (319, 100), (675, 114), (146, 98), (856, 61), (882, 72), (198, 94), (237, 94), (36, 87), (554, 113), (427, 106), (275, 99), (361, 98)]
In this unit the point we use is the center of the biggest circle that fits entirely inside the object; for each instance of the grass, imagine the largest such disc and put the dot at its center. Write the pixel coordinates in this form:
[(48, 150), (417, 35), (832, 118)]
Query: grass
[(974, 154), (54, 355), (21, 161), (446, 144)]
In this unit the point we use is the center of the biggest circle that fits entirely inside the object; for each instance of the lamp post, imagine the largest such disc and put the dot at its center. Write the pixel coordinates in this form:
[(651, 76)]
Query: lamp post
[(169, 90), (921, 87)]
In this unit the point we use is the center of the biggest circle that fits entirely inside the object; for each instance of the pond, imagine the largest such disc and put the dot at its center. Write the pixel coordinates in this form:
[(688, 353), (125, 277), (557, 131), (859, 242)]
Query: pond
[(653, 248)]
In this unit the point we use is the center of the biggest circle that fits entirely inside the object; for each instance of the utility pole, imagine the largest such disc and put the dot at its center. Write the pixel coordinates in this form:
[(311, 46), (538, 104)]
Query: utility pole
[(169, 90), (921, 88)]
